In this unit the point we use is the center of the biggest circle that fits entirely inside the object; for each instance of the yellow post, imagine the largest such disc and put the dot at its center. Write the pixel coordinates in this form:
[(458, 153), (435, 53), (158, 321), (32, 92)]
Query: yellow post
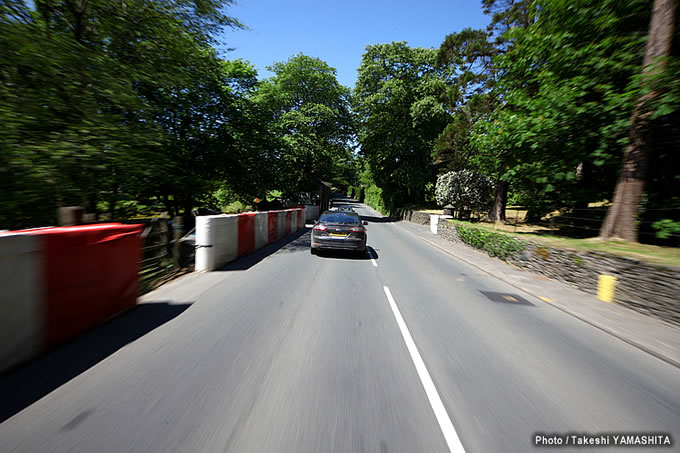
[(606, 286)]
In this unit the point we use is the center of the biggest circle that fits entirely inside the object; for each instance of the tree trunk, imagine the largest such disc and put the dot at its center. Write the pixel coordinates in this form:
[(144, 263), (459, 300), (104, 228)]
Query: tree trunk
[(497, 212), (189, 219), (622, 215)]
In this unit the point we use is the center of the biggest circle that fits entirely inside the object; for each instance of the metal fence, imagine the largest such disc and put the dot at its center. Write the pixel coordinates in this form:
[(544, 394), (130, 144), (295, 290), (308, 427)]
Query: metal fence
[(162, 258)]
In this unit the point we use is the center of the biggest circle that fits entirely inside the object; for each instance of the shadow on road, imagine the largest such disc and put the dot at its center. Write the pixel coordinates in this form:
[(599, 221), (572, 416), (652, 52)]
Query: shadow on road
[(344, 254), (371, 219), (24, 385), (295, 242)]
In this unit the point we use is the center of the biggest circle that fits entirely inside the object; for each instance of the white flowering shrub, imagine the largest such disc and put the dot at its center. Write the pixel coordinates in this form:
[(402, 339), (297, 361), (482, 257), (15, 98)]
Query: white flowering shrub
[(464, 189)]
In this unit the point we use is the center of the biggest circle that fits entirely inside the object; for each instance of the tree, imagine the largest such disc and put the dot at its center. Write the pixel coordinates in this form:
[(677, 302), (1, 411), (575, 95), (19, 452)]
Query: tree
[(91, 93), (565, 91), (621, 217), (311, 117), (399, 100), (471, 99), (465, 190)]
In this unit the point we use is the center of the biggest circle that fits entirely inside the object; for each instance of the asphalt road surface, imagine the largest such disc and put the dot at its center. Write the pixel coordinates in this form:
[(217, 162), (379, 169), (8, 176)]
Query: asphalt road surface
[(406, 349)]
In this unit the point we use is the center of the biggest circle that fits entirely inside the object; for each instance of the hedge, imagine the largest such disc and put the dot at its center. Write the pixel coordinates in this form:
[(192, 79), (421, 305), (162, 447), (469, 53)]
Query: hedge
[(495, 244)]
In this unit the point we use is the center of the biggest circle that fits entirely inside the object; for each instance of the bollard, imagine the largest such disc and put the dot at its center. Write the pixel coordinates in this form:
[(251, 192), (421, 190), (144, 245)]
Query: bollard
[(606, 286)]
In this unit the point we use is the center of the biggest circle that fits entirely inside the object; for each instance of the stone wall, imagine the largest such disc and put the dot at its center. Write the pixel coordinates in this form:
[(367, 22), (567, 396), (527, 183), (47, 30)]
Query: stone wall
[(416, 217), (447, 230), (647, 288)]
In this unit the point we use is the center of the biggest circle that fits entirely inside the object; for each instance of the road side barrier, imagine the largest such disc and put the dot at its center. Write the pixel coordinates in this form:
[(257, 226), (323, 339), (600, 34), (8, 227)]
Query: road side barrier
[(281, 222), (261, 229), (246, 234), (435, 219), (221, 239), (216, 241), (22, 317), (59, 282), (311, 212)]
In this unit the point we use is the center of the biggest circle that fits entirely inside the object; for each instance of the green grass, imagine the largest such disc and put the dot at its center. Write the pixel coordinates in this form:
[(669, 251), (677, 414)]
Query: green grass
[(666, 256), (235, 207)]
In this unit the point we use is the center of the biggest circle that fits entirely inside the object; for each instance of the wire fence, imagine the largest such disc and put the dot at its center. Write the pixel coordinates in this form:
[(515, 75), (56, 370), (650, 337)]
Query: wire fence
[(571, 219), (162, 256)]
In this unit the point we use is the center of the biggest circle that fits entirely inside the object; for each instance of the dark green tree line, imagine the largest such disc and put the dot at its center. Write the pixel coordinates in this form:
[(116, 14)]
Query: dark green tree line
[(126, 107)]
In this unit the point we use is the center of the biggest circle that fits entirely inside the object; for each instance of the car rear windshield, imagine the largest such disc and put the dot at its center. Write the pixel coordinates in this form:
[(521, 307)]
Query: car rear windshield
[(340, 218)]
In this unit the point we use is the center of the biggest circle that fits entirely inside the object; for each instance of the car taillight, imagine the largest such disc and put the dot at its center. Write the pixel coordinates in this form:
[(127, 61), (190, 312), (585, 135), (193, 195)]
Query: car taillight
[(321, 228), (357, 229)]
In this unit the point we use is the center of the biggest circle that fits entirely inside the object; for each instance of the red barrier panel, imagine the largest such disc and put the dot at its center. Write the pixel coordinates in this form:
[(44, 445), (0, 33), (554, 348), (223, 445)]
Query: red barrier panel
[(289, 222), (246, 234), (90, 274), (272, 226), (301, 219)]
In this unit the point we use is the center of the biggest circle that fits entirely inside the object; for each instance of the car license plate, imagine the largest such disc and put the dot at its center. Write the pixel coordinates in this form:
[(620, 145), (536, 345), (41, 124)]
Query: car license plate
[(339, 235)]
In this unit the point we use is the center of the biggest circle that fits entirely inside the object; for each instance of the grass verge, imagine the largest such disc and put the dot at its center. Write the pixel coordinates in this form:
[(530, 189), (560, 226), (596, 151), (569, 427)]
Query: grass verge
[(665, 256)]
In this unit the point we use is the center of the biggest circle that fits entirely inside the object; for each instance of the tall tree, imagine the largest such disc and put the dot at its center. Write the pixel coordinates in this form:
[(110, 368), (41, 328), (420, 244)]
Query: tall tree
[(311, 117), (621, 217), (400, 100), (564, 86), (471, 98), (85, 93)]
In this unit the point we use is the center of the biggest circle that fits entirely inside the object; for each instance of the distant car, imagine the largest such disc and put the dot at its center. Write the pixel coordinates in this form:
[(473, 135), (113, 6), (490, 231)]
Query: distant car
[(345, 209), (339, 230)]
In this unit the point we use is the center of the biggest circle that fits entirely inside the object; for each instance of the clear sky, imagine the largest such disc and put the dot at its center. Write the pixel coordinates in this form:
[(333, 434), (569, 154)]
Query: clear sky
[(338, 32)]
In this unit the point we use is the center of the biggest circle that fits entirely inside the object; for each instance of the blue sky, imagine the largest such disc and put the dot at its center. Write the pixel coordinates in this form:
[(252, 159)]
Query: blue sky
[(338, 32)]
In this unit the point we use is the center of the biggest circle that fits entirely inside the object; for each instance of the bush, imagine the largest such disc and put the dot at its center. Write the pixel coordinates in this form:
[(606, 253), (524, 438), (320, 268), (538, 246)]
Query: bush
[(374, 199), (355, 192), (495, 244), (465, 190)]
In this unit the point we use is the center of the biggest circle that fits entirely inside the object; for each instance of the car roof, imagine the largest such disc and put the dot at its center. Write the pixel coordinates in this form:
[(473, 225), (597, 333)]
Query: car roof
[(335, 211)]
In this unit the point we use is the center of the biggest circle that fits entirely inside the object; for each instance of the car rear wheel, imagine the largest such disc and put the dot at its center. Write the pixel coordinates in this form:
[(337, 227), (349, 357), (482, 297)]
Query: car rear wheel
[(313, 251)]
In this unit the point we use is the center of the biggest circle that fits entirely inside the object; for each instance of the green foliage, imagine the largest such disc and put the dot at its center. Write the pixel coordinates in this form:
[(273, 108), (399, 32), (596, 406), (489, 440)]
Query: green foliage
[(312, 122), (399, 99), (467, 54), (495, 244), (113, 105), (567, 82), (356, 192), (666, 228), (374, 198)]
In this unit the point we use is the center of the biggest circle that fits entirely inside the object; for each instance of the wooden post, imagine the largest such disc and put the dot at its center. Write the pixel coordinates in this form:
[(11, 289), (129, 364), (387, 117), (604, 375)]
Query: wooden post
[(177, 223), (70, 215)]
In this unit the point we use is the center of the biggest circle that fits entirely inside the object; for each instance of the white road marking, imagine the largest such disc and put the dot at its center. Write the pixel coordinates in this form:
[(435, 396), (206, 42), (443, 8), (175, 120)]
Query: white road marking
[(450, 434), (370, 254)]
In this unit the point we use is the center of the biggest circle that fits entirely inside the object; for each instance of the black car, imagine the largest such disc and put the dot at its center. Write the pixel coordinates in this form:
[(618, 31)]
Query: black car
[(339, 230)]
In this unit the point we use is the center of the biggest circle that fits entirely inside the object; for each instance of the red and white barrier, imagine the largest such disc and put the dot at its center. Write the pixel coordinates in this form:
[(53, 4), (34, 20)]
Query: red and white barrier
[(58, 282), (224, 238)]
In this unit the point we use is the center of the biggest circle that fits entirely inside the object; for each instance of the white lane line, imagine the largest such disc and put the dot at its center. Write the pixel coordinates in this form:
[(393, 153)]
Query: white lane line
[(370, 254), (450, 434)]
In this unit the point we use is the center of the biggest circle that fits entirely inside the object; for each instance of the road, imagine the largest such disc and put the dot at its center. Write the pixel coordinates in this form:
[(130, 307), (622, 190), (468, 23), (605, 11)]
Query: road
[(284, 351)]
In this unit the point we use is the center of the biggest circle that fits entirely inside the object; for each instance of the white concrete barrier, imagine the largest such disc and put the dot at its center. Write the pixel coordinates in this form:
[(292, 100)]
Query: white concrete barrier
[(55, 283), (294, 220), (21, 305), (261, 230), (216, 241), (224, 238), (281, 222), (435, 219)]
